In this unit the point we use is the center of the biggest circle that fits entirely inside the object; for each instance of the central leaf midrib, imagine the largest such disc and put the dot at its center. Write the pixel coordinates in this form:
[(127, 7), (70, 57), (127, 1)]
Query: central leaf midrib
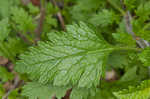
[(77, 54)]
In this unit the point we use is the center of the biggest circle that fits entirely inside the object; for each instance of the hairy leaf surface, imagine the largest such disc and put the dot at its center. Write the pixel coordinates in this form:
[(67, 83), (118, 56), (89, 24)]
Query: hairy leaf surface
[(77, 57)]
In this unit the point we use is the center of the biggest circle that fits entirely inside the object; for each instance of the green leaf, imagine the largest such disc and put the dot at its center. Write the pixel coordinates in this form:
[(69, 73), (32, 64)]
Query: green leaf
[(33, 9), (49, 23), (35, 90), (5, 75), (2, 91), (82, 93), (50, 9), (141, 24), (127, 76), (130, 4), (11, 48), (122, 27), (5, 6), (124, 39), (23, 21), (82, 12), (145, 57), (77, 57), (103, 18), (118, 59), (103, 94), (139, 92), (141, 28), (143, 11), (15, 94), (4, 29)]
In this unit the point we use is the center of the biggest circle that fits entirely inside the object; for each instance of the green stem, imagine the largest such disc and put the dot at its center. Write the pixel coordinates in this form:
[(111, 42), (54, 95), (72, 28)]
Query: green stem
[(128, 48), (43, 2)]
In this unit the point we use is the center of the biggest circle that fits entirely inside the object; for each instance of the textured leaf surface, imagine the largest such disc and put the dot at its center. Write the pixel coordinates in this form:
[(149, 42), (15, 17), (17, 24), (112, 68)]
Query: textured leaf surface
[(140, 92), (36, 90), (77, 57)]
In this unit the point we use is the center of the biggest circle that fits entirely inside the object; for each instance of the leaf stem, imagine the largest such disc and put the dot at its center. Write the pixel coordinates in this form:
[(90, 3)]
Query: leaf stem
[(59, 15), (128, 48), (39, 28)]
